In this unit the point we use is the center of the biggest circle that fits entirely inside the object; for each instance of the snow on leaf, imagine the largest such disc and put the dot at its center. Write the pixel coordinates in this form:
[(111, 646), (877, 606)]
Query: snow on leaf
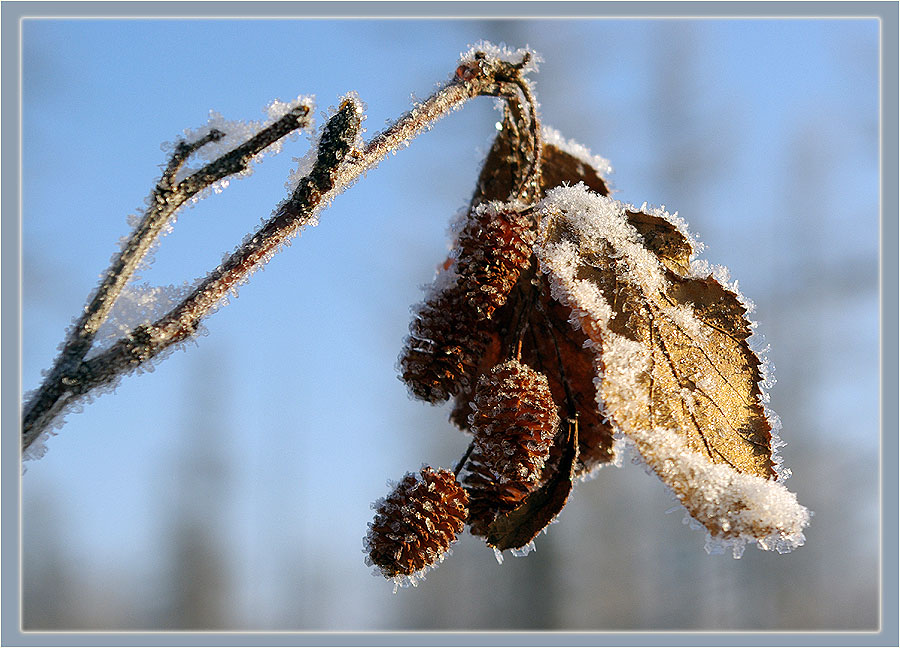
[(675, 371), (570, 163)]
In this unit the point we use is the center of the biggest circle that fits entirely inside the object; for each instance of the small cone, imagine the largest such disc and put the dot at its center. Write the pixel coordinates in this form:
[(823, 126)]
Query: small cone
[(492, 251), (514, 421), (448, 334), (443, 348), (415, 525)]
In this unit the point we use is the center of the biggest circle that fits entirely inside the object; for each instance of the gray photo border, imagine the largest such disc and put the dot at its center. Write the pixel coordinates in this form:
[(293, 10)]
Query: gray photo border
[(10, 262)]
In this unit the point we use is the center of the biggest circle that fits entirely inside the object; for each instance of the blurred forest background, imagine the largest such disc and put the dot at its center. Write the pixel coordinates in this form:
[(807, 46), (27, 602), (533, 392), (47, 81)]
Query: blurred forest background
[(231, 487)]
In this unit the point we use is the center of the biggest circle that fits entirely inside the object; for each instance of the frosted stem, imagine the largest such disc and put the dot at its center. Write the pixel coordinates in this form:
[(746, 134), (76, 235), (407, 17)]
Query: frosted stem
[(336, 167), (493, 78), (462, 462)]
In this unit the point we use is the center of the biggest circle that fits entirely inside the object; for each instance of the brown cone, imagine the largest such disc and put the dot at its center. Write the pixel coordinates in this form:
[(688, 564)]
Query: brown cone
[(448, 335), (443, 348), (416, 524), (488, 496), (514, 421), (492, 251)]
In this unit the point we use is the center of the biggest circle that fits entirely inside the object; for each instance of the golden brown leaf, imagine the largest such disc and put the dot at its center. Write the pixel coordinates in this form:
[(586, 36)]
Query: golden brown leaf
[(675, 346), (664, 239), (677, 373)]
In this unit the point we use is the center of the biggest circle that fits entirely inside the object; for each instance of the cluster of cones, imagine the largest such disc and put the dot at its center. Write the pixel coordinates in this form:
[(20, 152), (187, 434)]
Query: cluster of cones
[(513, 346), (513, 415)]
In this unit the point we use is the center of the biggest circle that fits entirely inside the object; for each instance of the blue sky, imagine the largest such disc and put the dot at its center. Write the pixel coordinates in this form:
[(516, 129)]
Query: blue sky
[(762, 134)]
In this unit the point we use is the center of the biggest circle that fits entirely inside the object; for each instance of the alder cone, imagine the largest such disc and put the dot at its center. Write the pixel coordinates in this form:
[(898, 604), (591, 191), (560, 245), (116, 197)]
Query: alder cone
[(514, 420), (449, 334), (444, 346), (416, 524), (493, 249)]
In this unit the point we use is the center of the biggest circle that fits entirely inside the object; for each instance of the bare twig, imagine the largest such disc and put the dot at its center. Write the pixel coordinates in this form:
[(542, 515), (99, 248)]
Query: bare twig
[(462, 462), (67, 380), (337, 165)]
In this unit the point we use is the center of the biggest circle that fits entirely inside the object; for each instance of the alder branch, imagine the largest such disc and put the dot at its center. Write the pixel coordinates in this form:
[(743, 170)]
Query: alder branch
[(337, 165)]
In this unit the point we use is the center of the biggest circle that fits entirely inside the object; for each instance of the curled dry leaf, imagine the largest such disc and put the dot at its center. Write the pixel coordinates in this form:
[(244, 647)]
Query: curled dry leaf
[(518, 527), (677, 374)]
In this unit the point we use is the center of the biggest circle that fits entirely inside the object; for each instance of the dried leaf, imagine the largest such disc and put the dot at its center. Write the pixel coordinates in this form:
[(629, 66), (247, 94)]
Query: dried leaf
[(664, 239), (559, 167), (676, 372), (503, 165), (515, 529), (676, 345)]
